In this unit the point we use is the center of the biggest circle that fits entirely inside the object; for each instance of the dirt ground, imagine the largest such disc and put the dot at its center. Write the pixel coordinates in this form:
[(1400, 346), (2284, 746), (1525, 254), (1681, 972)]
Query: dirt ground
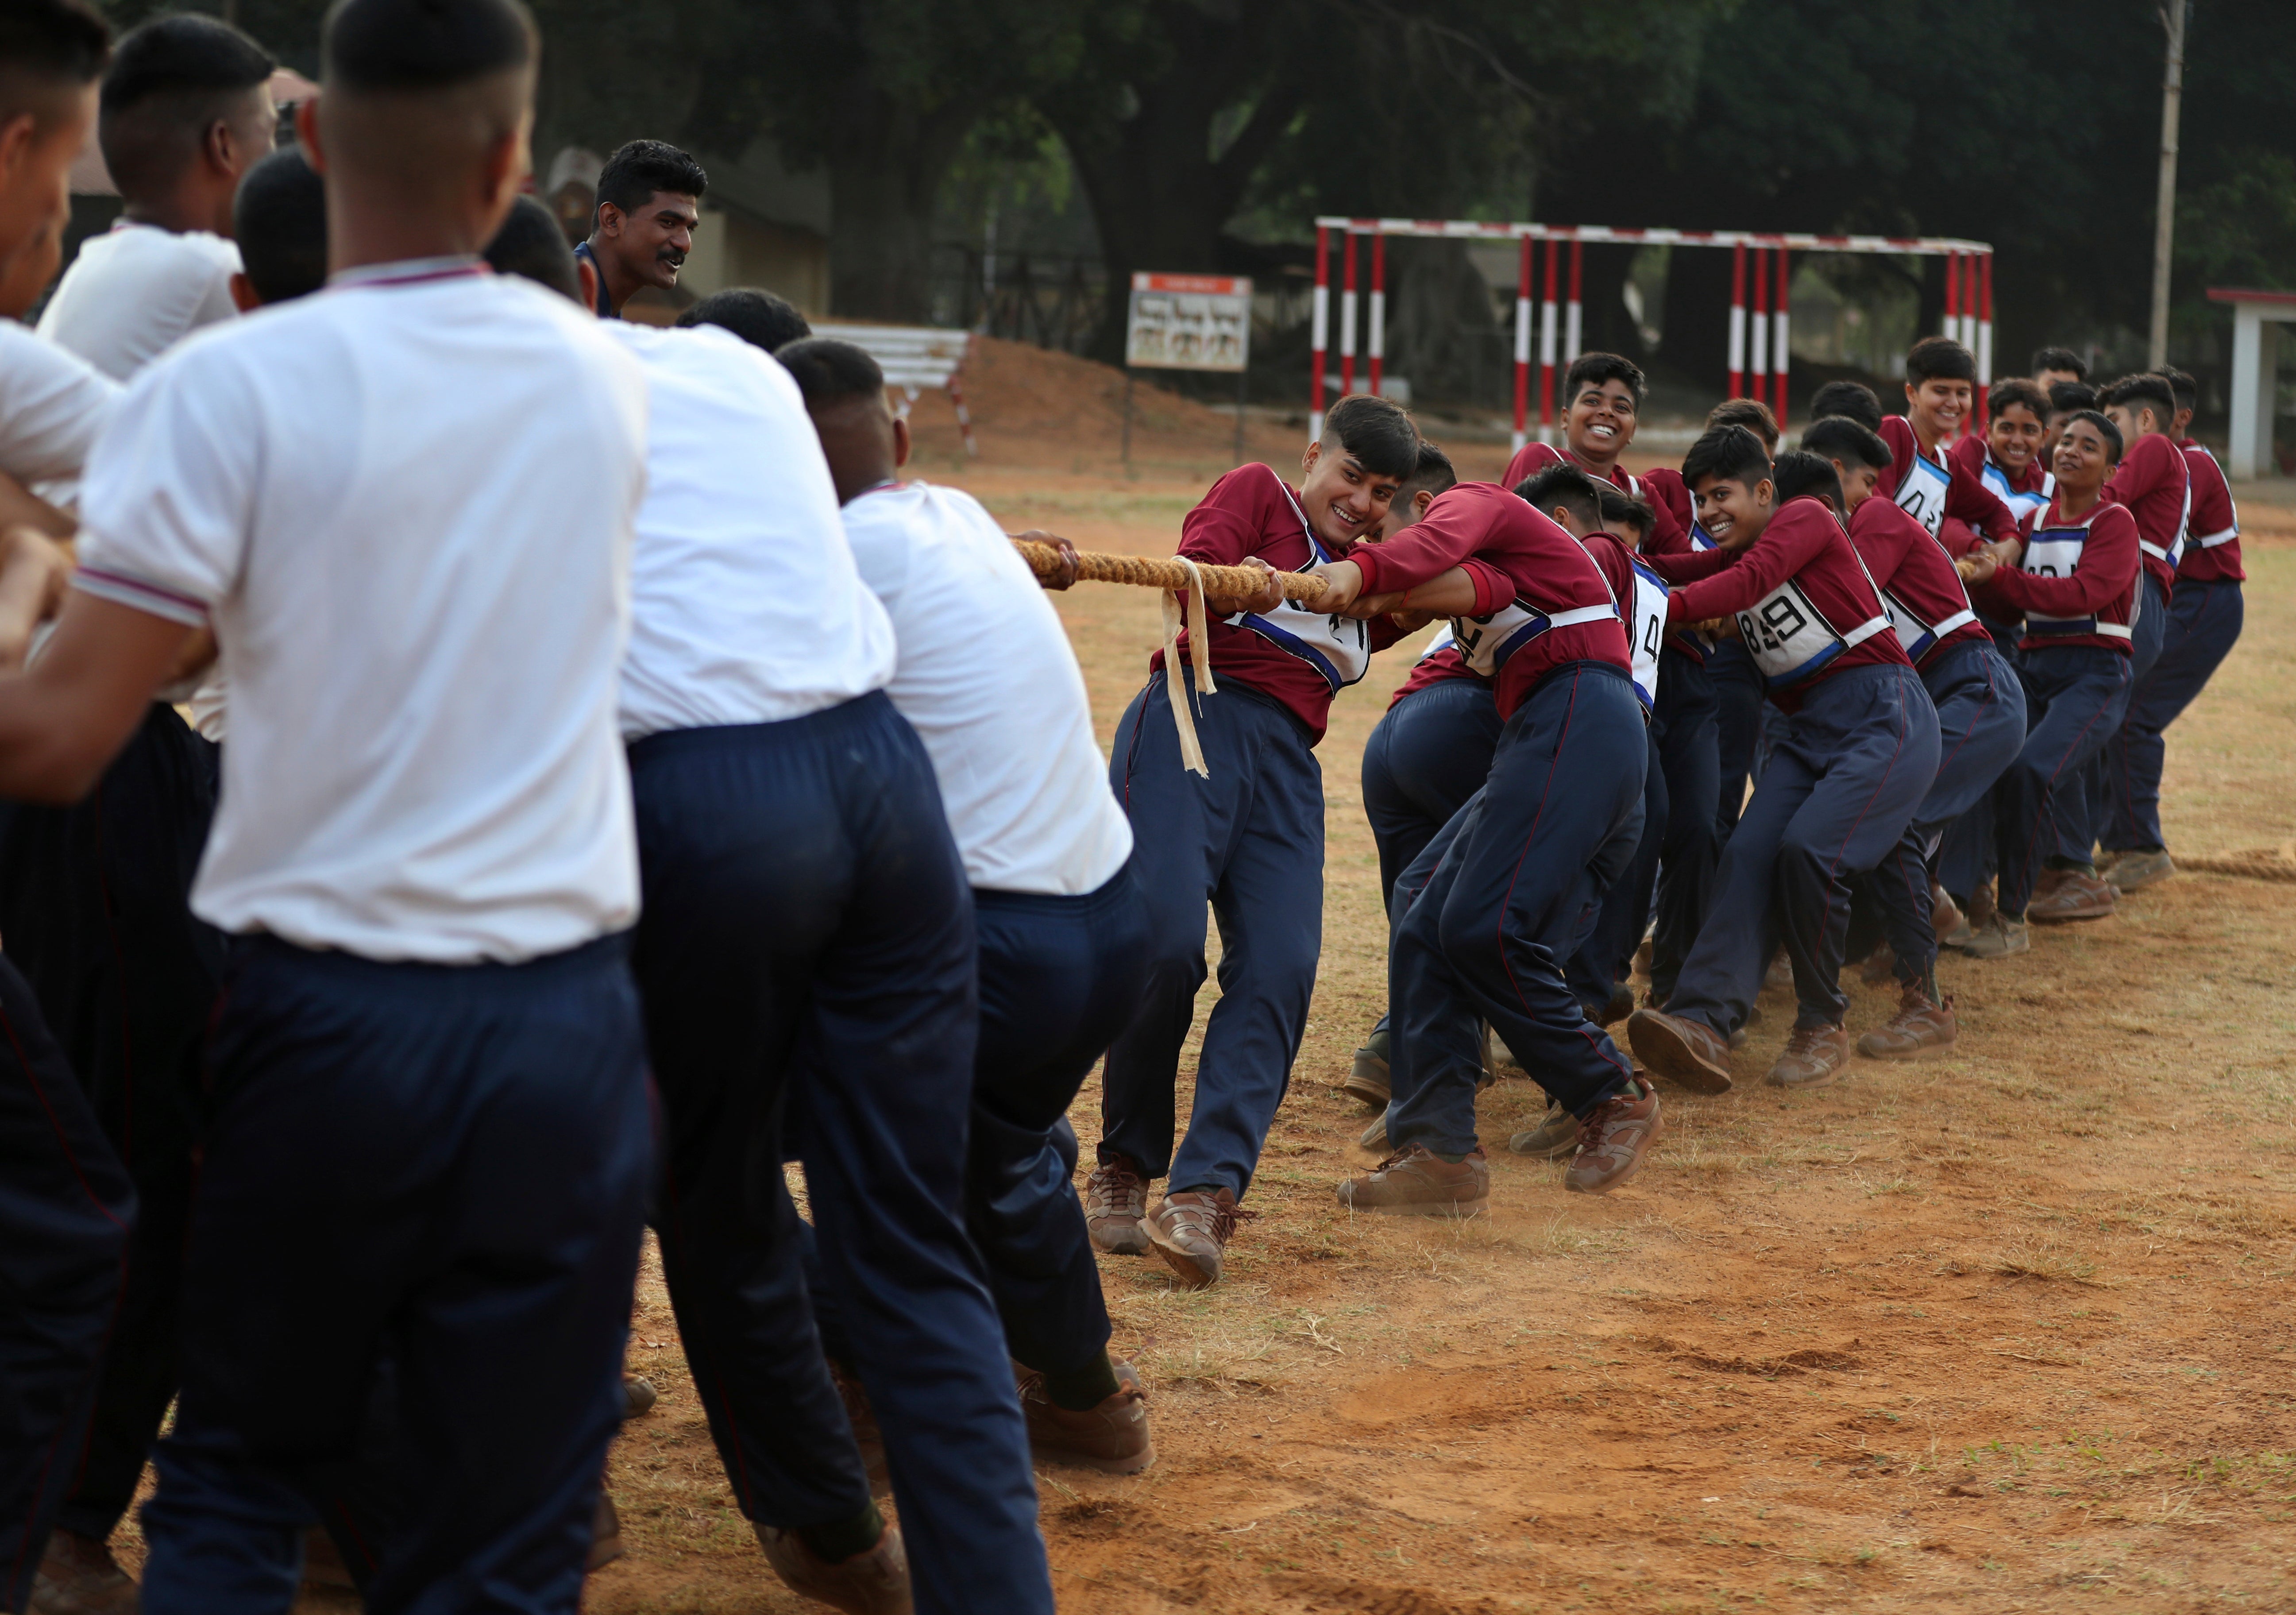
[(2009, 1330)]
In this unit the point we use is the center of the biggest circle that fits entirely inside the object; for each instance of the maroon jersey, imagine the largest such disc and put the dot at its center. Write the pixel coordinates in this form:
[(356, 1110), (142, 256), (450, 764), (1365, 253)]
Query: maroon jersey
[(1806, 609), (1299, 658), (1564, 603), (2078, 583), (2027, 492), (1441, 661), (2154, 481), (1930, 487), (2213, 531), (1533, 458), (1920, 589)]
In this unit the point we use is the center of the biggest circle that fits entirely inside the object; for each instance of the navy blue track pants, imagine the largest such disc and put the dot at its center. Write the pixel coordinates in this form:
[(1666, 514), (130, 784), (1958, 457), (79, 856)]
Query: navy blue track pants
[(808, 938), (1503, 896), (443, 1168), (1250, 841), (2202, 625), (2089, 820), (2075, 697), (1426, 756), (1835, 796), (1689, 746), (66, 1208)]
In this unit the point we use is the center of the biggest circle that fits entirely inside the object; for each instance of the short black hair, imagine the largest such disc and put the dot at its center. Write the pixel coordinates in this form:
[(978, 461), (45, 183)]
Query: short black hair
[(2140, 390), (1623, 509), (1850, 400), (1723, 453), (1799, 471), (424, 45), (753, 313), (634, 172), (1434, 473), (2016, 392), (2059, 358), (2187, 391), (1596, 368), (1939, 358), (44, 43), (829, 371), (529, 243), (1564, 484), (2105, 426), (1851, 442), (1377, 432), (280, 219), (1751, 413), (171, 79), (2064, 396)]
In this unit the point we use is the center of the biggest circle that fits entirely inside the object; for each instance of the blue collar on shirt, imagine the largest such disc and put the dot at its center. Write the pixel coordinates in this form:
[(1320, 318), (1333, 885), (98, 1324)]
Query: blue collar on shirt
[(598, 272)]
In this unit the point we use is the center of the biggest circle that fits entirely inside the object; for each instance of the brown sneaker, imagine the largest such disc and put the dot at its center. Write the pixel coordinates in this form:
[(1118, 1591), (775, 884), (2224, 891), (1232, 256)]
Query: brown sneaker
[(1191, 1230), (638, 1396), (1814, 1056), (605, 1536), (1779, 977), (78, 1575), (875, 1581), (1880, 966), (1375, 1137), (1554, 1137), (1921, 1027), (1615, 1141), (1681, 1051), (1116, 1208), (1997, 937), (1112, 1437), (1367, 1078), (1621, 1004), (2135, 871), (1416, 1182), (1945, 916), (2074, 896)]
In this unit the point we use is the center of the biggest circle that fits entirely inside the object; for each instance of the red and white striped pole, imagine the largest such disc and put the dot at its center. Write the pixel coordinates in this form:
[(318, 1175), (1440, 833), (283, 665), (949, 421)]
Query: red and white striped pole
[(1319, 321), (1737, 320), (1952, 301), (1522, 351), (1759, 381), (1348, 320), (1546, 349), (1984, 334), (1378, 308), (1778, 350), (1571, 314)]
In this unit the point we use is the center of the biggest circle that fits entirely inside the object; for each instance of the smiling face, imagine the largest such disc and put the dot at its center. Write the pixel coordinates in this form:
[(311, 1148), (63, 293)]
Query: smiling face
[(1858, 481), (2015, 437), (1600, 423), (2084, 459), (1936, 407), (1729, 506), (1344, 502), (652, 242)]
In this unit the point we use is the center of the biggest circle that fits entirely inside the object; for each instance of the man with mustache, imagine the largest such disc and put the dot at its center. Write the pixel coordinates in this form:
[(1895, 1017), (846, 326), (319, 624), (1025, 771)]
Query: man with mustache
[(649, 203)]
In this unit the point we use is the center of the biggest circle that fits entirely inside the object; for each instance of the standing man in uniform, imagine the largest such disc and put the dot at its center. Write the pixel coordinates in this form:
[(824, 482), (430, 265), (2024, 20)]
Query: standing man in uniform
[(648, 205)]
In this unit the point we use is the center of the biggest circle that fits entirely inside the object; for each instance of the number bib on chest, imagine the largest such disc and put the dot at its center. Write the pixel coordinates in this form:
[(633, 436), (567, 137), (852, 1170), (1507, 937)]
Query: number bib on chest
[(1917, 635), (1646, 631), (1790, 638), (2021, 506), (1922, 490), (1485, 642), (1336, 647), (2055, 552)]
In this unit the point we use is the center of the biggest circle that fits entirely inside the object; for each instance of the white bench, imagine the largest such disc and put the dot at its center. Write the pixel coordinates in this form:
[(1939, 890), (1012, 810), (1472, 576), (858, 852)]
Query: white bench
[(913, 358)]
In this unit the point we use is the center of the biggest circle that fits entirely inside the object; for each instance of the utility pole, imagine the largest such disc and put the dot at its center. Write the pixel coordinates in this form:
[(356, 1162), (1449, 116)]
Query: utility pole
[(2173, 18)]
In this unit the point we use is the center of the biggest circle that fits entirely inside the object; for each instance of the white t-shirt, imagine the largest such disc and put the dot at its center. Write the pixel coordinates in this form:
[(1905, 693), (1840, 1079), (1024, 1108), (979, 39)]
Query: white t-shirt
[(136, 291), (51, 407), (406, 506), (989, 680), (746, 607)]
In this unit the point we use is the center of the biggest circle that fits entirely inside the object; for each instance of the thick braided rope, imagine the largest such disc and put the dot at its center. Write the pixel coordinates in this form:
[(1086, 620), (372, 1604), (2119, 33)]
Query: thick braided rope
[(1166, 572)]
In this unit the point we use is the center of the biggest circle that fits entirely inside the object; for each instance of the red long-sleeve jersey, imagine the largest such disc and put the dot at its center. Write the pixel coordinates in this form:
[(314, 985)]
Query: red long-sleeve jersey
[(1554, 579), (1302, 659), (1927, 604), (2078, 584), (1929, 487), (2155, 482), (2213, 531), (1533, 458), (1806, 609)]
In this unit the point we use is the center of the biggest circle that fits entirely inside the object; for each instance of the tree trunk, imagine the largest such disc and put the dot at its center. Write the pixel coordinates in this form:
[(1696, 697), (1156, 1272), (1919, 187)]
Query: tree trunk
[(885, 172)]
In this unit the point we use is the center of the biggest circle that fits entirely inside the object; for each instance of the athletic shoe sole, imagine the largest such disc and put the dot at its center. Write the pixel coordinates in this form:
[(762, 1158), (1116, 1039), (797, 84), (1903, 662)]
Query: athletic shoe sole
[(1368, 1081), (1068, 1458), (1668, 1053), (1642, 1160), (1134, 1242), (1927, 1051), (1189, 1269)]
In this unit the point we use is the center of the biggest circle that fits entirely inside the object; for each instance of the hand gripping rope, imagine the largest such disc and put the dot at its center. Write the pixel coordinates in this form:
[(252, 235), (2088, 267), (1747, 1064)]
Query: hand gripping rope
[(1175, 575)]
